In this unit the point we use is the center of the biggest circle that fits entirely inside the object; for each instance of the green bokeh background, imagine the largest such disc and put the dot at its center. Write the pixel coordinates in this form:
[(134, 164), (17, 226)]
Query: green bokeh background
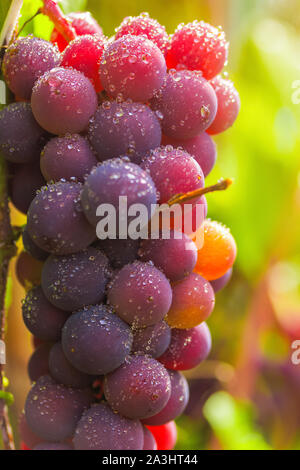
[(258, 314)]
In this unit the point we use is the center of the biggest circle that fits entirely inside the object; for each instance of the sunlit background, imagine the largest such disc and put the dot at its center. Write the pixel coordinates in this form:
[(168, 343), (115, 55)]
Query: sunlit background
[(247, 395)]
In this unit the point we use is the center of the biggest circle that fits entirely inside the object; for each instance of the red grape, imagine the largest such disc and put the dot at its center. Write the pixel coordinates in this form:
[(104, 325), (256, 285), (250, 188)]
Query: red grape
[(165, 435), (228, 105)]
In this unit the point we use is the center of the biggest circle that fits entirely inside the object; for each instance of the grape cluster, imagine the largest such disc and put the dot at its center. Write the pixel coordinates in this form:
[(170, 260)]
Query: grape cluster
[(114, 321)]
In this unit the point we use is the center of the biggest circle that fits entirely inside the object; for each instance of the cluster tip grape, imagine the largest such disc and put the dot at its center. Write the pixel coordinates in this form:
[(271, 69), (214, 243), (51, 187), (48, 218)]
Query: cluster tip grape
[(116, 321)]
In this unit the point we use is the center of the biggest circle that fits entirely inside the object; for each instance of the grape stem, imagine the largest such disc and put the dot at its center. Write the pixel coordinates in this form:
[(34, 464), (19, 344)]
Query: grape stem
[(10, 22), (61, 23), (181, 198)]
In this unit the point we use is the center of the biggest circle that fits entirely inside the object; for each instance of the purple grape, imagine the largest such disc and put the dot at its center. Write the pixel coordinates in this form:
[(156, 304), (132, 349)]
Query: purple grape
[(63, 100), (95, 340), (69, 157), (112, 179), (27, 180), (124, 129), (63, 371), (38, 364), (31, 248), (219, 284), (177, 402), (140, 294), (21, 138), (74, 281), (149, 441), (176, 257), (139, 388), (132, 66), (52, 446), (119, 252), (25, 61), (201, 147), (27, 436), (40, 317), (188, 348), (152, 340), (28, 270), (102, 429), (56, 222), (52, 410), (187, 104)]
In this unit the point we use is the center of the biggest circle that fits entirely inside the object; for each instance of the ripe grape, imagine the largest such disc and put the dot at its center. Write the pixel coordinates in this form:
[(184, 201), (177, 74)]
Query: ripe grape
[(119, 251), (164, 435), (102, 429), (63, 371), (73, 281), (84, 54), (176, 404), (26, 181), (229, 104), (28, 270), (139, 388), (28, 437), (188, 348), (56, 222), (83, 23), (149, 440), (193, 301), (219, 284), (143, 25), (112, 179), (124, 129), (175, 257), (69, 157), (198, 46), (52, 446), (140, 294), (132, 66), (173, 171), (38, 364), (218, 252), (63, 100), (25, 61), (21, 138), (52, 410), (31, 248), (152, 340), (40, 317), (95, 340), (186, 103), (201, 147)]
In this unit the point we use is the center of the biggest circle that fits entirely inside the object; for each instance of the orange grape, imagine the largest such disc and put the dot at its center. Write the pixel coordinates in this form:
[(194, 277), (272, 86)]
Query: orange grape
[(218, 253)]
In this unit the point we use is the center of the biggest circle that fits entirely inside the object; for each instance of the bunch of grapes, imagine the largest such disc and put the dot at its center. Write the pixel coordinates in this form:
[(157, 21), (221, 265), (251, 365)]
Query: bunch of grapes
[(114, 321)]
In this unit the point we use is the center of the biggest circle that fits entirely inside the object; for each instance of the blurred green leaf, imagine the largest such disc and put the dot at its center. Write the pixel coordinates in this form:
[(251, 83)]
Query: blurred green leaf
[(69, 6), (233, 423), (4, 7)]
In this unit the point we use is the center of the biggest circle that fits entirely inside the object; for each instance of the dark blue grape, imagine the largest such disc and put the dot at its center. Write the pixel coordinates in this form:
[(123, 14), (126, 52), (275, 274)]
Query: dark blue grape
[(152, 340), (52, 446), (31, 248), (27, 436), (139, 388), (56, 222), (28, 270), (52, 410), (38, 364), (118, 251), (74, 281), (26, 181), (95, 340), (102, 429), (124, 128), (40, 317)]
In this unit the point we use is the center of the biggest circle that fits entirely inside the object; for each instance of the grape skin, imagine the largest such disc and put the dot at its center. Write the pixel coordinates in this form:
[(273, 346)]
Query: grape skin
[(21, 138), (102, 429), (63, 100), (219, 284), (55, 220), (69, 157), (134, 67), (25, 61), (38, 364), (31, 248), (149, 440), (52, 410), (124, 129), (27, 436), (26, 181), (95, 340), (28, 270), (140, 294), (73, 281), (52, 446), (119, 251), (139, 388), (152, 340), (229, 104), (41, 318)]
